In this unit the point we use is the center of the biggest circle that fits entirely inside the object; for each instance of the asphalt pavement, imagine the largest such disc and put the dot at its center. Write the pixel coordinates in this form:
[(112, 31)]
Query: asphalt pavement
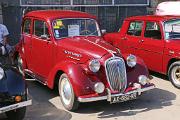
[(161, 103)]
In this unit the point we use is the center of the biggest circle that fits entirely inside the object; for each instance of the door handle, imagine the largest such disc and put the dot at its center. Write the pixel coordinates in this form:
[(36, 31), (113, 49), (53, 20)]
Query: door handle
[(141, 41), (171, 52), (124, 38)]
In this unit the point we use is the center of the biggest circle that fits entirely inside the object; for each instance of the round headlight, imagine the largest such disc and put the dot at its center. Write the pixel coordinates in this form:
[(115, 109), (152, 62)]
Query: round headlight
[(143, 80), (131, 60), (94, 65), (99, 87), (1, 73)]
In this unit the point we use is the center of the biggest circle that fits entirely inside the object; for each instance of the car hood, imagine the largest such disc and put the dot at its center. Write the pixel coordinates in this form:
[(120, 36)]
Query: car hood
[(92, 46)]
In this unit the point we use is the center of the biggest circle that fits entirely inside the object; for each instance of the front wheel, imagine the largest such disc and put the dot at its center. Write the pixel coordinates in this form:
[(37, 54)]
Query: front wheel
[(66, 93), (174, 74), (17, 114)]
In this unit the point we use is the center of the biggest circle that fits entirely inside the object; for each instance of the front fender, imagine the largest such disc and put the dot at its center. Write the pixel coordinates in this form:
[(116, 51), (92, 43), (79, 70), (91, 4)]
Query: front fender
[(81, 83), (135, 72), (13, 83)]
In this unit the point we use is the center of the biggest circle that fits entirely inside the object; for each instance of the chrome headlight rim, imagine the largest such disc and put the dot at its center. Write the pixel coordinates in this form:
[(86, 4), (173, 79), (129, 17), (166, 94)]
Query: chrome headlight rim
[(1, 73), (99, 87), (143, 80), (131, 60), (94, 65)]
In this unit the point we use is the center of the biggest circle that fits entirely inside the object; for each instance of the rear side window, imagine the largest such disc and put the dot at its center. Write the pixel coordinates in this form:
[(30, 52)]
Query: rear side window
[(27, 26), (40, 28), (152, 30), (135, 28)]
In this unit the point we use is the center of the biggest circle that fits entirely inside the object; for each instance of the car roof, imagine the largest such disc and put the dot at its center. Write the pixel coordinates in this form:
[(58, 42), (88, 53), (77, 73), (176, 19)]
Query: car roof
[(153, 17), (53, 14)]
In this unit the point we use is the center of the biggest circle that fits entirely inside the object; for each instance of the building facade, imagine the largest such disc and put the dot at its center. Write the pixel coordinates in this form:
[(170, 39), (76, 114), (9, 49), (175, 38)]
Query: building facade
[(110, 13)]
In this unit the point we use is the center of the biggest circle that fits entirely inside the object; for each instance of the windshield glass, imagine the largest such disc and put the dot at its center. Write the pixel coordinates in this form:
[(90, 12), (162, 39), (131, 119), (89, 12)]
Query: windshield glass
[(75, 27), (172, 29)]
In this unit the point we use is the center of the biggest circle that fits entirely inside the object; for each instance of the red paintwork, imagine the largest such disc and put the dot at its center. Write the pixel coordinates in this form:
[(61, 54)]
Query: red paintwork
[(46, 58), (155, 53)]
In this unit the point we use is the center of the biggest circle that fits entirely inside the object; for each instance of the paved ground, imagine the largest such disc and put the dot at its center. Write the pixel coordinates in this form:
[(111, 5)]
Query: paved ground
[(162, 103)]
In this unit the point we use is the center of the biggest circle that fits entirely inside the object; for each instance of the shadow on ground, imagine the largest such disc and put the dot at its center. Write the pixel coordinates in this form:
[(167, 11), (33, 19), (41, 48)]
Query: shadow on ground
[(159, 75), (154, 99)]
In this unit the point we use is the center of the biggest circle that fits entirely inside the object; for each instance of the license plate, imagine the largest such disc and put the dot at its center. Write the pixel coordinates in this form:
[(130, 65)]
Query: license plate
[(123, 98)]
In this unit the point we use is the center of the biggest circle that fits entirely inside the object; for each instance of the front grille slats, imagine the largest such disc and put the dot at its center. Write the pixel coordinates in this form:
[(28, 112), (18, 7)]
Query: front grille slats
[(116, 73)]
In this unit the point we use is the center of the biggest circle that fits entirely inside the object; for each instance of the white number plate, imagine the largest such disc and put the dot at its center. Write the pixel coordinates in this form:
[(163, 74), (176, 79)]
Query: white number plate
[(123, 98)]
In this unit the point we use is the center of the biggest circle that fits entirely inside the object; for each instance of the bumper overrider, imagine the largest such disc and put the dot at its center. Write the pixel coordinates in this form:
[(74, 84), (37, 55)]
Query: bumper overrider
[(15, 106), (113, 98)]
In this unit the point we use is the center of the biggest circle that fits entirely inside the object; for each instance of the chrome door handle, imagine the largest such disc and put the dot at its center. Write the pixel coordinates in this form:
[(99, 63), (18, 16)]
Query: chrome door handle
[(124, 38), (171, 52), (141, 41)]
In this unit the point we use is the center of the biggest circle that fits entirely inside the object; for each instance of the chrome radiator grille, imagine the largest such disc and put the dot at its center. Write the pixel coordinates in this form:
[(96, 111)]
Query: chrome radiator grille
[(116, 73)]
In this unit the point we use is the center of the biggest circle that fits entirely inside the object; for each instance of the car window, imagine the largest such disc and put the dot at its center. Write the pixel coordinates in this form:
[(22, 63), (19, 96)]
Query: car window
[(75, 27), (172, 29), (135, 28), (40, 28), (152, 30), (27, 26)]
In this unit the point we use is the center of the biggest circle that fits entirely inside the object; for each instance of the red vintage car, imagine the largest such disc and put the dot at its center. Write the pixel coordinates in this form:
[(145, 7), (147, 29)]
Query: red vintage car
[(155, 39), (65, 48)]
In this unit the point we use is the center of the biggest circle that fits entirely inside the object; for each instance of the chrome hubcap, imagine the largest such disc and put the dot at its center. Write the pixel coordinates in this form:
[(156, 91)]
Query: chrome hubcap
[(176, 75), (66, 91)]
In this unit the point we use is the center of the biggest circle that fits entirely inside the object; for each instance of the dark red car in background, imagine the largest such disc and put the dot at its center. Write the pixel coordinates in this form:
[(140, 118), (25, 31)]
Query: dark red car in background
[(66, 48), (155, 39)]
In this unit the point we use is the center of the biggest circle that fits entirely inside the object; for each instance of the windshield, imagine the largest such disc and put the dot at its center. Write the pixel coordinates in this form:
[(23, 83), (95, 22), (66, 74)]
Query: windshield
[(75, 27), (172, 29)]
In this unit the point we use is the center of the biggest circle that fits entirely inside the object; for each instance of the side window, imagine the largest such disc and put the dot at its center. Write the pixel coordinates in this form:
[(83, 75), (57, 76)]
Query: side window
[(27, 26), (152, 30), (135, 28), (40, 28)]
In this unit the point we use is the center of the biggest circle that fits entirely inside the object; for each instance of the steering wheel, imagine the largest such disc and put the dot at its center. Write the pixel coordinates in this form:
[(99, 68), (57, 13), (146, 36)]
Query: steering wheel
[(85, 31)]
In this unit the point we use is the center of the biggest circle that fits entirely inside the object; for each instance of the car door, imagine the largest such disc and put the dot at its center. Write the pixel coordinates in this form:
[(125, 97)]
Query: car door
[(42, 49), (26, 39), (132, 37), (152, 45)]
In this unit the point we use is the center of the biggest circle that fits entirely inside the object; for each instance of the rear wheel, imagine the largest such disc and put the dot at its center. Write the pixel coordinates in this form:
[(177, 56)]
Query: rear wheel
[(17, 114), (174, 74), (66, 93)]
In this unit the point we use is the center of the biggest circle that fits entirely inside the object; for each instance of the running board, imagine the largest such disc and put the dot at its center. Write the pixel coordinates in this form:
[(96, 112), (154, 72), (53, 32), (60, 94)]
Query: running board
[(35, 77)]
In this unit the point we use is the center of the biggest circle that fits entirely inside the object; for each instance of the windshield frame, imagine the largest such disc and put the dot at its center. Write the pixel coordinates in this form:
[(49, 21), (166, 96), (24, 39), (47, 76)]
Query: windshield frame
[(97, 26), (164, 22)]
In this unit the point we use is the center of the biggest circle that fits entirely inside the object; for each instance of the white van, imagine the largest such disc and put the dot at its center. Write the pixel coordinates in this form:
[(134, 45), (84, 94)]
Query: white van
[(168, 8)]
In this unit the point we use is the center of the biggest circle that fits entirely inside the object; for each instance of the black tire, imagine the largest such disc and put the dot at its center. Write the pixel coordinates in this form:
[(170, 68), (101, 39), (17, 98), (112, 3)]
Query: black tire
[(72, 104), (174, 74), (17, 114)]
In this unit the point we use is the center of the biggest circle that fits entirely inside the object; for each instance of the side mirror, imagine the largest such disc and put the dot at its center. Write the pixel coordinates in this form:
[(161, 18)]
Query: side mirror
[(103, 31), (45, 37)]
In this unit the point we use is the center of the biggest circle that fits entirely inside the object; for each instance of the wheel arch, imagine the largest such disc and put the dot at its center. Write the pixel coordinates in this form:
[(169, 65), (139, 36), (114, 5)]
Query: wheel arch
[(57, 76), (77, 77), (170, 62)]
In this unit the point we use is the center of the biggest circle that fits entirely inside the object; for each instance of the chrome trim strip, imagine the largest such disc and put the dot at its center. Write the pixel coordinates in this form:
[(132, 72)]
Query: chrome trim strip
[(139, 91), (15, 106)]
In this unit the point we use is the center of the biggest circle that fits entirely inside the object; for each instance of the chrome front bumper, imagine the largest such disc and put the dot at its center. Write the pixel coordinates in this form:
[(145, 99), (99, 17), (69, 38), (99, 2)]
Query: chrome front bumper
[(108, 97), (15, 106)]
